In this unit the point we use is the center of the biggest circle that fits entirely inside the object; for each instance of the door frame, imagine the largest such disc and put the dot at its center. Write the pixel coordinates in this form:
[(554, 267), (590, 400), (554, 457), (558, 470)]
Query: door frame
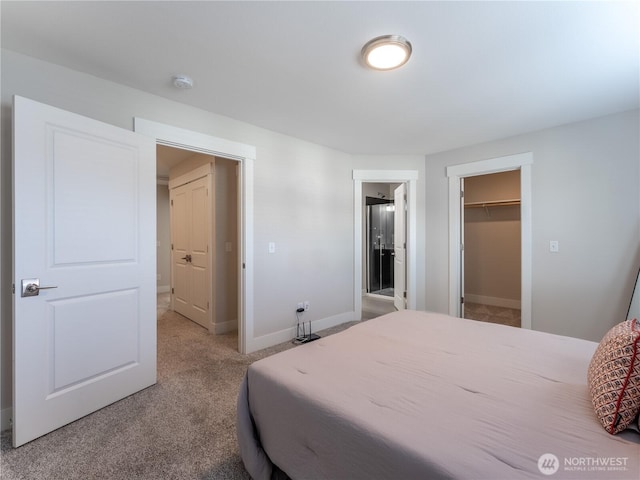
[(245, 155), (410, 179), (522, 162)]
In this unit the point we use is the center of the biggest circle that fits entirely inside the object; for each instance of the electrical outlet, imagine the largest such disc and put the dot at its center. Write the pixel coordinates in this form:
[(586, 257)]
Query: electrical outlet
[(306, 305)]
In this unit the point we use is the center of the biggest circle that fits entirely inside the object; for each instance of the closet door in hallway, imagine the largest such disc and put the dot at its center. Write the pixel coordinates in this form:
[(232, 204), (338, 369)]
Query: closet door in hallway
[(190, 254)]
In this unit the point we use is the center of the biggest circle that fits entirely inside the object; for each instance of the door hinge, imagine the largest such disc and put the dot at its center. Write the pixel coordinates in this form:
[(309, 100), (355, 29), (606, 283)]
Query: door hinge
[(404, 294), (461, 193), (13, 288), (462, 247), (172, 291), (172, 203), (172, 246), (461, 299), (243, 266)]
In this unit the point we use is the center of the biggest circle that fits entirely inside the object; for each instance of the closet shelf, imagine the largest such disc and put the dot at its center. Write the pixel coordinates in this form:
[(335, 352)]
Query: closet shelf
[(494, 203)]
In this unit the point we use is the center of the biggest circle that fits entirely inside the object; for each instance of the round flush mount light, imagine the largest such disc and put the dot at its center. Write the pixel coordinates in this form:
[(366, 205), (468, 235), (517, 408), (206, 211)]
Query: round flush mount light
[(183, 82), (386, 52)]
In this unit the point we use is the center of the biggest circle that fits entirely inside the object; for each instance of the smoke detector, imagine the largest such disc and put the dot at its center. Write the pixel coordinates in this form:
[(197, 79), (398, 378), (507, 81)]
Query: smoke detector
[(183, 82)]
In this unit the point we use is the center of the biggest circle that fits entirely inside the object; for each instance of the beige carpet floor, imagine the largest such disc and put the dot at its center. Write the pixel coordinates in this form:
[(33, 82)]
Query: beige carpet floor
[(181, 428)]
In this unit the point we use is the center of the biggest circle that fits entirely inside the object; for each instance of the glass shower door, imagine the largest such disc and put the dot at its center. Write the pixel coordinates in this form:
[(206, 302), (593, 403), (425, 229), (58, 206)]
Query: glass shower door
[(380, 249)]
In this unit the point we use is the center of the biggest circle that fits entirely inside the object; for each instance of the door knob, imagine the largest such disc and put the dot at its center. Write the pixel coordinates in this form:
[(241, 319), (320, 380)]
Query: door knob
[(187, 258), (31, 287)]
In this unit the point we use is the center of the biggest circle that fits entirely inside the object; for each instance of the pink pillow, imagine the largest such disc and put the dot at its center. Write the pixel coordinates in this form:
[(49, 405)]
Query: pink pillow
[(614, 377)]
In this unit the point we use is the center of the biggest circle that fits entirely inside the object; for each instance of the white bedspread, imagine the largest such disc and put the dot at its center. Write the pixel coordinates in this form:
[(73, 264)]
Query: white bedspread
[(415, 395)]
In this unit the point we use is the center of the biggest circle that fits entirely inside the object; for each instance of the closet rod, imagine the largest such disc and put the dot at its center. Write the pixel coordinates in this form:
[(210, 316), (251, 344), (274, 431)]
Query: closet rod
[(494, 203)]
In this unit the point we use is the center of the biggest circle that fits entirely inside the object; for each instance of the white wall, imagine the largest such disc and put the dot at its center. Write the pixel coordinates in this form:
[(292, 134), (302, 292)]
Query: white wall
[(586, 195), (303, 199)]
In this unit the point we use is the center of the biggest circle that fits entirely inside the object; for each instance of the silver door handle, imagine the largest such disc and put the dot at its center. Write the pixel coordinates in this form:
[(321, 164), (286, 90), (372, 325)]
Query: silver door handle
[(31, 287)]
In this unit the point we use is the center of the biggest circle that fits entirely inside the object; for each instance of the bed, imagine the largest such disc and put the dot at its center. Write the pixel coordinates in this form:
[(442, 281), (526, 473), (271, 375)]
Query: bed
[(417, 395)]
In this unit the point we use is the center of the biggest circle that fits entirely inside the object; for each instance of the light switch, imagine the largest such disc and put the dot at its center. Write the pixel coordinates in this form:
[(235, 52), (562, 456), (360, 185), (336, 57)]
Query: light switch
[(554, 246), (272, 247)]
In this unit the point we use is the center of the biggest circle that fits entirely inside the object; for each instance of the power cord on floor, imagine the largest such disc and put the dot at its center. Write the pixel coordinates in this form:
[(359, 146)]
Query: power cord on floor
[(305, 337)]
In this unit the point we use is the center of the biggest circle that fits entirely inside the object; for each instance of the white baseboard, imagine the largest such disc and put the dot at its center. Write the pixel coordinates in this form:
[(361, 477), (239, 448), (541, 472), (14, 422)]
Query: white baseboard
[(5, 418), (225, 327), (163, 288), (287, 334), (495, 301)]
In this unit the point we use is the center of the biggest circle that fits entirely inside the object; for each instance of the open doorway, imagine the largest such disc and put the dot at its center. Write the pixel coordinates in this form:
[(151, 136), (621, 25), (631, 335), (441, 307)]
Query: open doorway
[(378, 248), (456, 175), (408, 179), (214, 299), (492, 248), (244, 155)]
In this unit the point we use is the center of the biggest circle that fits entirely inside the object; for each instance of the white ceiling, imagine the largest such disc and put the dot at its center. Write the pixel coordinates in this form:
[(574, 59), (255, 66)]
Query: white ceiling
[(479, 70)]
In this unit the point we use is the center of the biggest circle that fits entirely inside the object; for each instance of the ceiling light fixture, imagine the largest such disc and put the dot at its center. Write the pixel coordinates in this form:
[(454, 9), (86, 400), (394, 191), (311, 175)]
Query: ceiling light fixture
[(183, 82), (386, 52)]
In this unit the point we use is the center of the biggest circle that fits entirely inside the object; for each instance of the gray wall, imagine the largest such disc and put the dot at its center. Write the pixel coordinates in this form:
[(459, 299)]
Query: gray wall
[(226, 231), (586, 195), (163, 255)]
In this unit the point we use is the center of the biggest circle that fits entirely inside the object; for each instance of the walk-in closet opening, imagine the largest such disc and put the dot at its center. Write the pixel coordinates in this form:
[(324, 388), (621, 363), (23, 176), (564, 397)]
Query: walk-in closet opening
[(491, 233)]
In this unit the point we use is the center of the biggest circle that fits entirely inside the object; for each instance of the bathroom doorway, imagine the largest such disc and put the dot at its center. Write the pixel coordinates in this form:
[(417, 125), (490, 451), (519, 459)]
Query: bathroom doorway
[(380, 244)]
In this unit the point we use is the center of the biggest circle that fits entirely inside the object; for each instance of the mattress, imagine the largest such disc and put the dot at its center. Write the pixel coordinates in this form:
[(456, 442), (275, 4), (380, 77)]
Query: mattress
[(417, 395)]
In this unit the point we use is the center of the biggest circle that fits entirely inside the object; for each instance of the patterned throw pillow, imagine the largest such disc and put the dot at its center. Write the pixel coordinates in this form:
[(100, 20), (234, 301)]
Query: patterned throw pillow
[(614, 377)]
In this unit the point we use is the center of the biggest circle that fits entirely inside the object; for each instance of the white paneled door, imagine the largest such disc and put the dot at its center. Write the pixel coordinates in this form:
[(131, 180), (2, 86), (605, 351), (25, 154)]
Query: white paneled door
[(190, 232), (400, 247), (84, 321)]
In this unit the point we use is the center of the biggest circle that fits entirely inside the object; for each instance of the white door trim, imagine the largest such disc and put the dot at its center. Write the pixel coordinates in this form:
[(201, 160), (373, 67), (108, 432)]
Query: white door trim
[(410, 178), (523, 162), (245, 155)]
